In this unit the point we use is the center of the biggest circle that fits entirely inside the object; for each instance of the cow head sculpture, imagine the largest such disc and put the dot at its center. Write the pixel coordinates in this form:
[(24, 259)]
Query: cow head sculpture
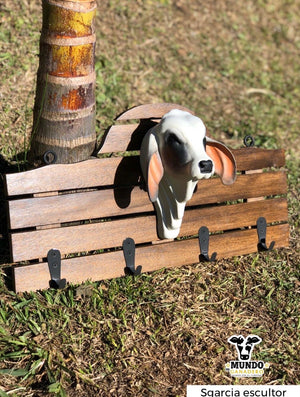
[(175, 155)]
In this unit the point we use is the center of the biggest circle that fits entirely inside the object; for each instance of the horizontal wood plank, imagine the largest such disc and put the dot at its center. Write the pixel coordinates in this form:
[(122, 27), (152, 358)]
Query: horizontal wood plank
[(85, 174), (255, 158), (34, 212), (167, 255), (228, 217), (39, 211), (151, 110), (102, 235), (113, 171), (82, 238), (245, 186)]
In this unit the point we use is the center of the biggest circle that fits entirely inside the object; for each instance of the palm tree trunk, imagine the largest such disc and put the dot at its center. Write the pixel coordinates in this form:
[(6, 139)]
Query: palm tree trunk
[(64, 112)]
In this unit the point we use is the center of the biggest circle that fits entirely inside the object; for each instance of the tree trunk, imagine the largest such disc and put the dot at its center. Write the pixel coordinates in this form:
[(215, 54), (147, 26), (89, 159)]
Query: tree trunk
[(64, 112)]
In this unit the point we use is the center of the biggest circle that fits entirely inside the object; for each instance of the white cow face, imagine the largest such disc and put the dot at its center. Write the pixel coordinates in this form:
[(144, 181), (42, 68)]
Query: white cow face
[(182, 143), (175, 155)]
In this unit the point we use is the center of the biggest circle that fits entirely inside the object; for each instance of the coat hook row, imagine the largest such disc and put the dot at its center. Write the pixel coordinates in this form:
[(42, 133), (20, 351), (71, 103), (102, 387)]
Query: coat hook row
[(203, 235), (54, 255)]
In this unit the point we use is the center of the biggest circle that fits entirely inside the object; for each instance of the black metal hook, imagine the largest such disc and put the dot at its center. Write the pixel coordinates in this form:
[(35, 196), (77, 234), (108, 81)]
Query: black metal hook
[(203, 236), (129, 255), (262, 232), (54, 264), (249, 141)]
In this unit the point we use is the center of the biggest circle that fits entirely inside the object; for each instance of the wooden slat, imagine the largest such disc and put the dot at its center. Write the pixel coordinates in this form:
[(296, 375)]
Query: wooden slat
[(168, 255), (118, 138), (113, 171), (245, 186), (33, 212), (155, 110), (40, 211), (255, 158), (89, 237), (95, 236), (228, 217), (86, 174)]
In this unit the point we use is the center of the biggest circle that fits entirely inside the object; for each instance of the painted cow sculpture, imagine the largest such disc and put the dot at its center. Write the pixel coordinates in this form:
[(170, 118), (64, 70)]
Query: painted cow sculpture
[(175, 155)]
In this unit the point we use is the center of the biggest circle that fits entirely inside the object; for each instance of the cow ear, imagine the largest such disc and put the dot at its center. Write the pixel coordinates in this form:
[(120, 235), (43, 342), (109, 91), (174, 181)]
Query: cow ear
[(254, 339), (223, 159), (155, 173), (236, 339), (233, 339)]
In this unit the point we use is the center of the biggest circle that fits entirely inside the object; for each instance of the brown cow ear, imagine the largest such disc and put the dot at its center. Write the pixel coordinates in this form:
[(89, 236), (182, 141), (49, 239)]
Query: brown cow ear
[(155, 173), (223, 159)]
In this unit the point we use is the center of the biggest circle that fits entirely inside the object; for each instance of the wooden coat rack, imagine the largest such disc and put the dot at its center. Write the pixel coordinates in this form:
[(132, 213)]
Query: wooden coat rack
[(97, 219)]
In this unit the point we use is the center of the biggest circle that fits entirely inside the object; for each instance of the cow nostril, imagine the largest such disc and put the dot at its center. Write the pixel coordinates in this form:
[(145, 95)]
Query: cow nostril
[(206, 166), (244, 357)]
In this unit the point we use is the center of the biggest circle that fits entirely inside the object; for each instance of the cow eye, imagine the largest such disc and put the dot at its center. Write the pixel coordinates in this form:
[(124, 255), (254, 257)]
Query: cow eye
[(173, 140), (204, 143)]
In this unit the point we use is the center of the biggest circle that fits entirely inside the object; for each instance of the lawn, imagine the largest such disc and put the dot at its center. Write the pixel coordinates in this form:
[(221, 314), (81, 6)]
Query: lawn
[(236, 65)]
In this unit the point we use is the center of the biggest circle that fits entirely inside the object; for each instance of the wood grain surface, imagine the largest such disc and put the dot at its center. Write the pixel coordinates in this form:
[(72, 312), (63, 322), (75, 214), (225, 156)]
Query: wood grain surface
[(151, 110), (104, 172), (153, 257), (38, 211), (109, 234)]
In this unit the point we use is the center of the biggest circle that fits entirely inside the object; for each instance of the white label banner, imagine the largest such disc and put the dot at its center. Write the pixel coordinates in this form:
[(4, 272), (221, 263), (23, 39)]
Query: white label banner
[(243, 391)]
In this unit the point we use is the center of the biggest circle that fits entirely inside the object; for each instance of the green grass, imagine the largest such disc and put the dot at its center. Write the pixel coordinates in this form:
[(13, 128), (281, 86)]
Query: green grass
[(235, 64), (127, 327)]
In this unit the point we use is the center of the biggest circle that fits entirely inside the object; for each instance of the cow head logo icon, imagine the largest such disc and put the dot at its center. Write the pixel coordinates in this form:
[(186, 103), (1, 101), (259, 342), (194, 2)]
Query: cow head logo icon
[(244, 346), (244, 366)]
